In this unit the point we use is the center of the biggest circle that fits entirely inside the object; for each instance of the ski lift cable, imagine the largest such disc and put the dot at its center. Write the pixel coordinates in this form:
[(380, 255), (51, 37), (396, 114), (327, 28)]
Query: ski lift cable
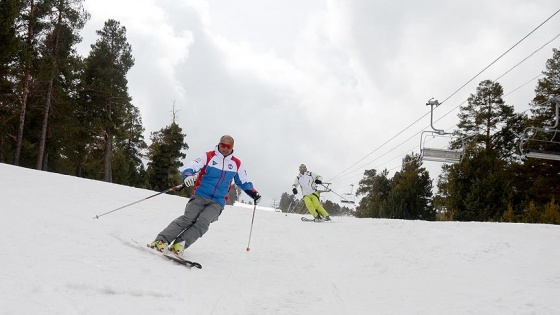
[(443, 116), (393, 149), (459, 89), (413, 149), (382, 145), (533, 79), (349, 175), (500, 57), (509, 70), (359, 169), (531, 55)]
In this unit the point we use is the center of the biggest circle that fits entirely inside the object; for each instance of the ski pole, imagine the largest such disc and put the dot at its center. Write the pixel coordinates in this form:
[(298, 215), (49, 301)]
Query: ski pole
[(251, 231), (289, 207), (175, 188), (294, 208)]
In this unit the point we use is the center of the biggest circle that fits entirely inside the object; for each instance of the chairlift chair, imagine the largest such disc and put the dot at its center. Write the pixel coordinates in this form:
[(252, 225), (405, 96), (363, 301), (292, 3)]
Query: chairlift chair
[(351, 197), (439, 154), (532, 146)]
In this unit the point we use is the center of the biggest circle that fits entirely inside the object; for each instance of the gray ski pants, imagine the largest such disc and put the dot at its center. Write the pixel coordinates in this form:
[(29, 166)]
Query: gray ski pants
[(199, 213)]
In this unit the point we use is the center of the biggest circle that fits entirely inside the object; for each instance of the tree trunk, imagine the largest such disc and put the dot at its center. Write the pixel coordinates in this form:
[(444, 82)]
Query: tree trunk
[(78, 169), (107, 157), (22, 115), (25, 90), (47, 108), (43, 139), (2, 149)]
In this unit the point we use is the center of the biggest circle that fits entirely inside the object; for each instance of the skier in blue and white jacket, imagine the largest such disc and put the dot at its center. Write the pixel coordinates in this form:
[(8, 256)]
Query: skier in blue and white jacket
[(211, 176)]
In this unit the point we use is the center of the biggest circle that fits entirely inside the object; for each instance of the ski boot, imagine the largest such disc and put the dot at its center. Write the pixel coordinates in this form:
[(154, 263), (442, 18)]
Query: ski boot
[(159, 245), (178, 249)]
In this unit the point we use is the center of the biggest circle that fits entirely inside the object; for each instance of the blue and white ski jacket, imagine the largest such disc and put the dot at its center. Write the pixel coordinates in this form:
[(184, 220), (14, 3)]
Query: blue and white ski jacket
[(215, 173)]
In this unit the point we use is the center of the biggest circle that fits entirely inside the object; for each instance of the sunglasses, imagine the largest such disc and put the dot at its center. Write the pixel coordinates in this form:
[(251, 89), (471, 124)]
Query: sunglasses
[(226, 146)]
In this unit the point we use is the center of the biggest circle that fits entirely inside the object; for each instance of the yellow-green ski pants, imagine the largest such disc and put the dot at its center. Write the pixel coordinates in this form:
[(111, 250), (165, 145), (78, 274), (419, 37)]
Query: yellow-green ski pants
[(313, 205)]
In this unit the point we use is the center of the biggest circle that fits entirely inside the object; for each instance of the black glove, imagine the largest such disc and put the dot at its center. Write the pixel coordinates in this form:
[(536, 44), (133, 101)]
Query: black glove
[(318, 181), (294, 191), (254, 194)]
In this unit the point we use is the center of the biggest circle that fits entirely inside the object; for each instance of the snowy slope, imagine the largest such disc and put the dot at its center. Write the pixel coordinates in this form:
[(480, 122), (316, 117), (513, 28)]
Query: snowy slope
[(59, 260)]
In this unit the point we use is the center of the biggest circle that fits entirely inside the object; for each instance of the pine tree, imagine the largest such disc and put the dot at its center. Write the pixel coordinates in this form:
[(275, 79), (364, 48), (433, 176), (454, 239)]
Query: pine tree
[(8, 14), (480, 186), (442, 201), (477, 189), (508, 215), (80, 137), (62, 24), (30, 28), (106, 90), (543, 112), (551, 213), (8, 53), (129, 146), (487, 122), (165, 154), (411, 192), (375, 189), (538, 178), (532, 214)]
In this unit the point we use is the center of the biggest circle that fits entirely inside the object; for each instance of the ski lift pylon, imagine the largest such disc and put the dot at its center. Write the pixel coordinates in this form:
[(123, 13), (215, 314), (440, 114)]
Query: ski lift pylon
[(439, 154), (532, 146)]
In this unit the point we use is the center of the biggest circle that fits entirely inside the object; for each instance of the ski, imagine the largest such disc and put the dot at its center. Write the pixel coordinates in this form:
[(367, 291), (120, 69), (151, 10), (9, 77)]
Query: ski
[(304, 219), (178, 259), (171, 256)]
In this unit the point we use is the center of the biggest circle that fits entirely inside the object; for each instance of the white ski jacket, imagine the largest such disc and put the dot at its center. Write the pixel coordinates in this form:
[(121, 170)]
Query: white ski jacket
[(307, 182)]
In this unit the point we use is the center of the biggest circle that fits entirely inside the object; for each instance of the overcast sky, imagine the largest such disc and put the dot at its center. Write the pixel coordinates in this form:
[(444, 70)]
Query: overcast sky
[(332, 84)]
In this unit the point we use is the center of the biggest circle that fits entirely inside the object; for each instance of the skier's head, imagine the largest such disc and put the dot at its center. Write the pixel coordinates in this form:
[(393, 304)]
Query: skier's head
[(302, 168), (225, 146)]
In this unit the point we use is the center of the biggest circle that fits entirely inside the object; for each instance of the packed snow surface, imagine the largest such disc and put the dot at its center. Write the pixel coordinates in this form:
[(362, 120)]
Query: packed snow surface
[(58, 259)]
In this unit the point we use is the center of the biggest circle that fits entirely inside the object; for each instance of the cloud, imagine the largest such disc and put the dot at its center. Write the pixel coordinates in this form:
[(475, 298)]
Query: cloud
[(326, 83)]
